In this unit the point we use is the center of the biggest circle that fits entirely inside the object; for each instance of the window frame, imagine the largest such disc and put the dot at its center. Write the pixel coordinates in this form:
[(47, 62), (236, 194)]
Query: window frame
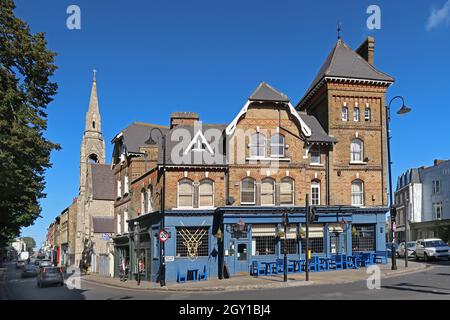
[(315, 184), (149, 198), (254, 191), (315, 149), (367, 114), (278, 145), (257, 145), (292, 182), (192, 194), (356, 114), (361, 151), (361, 193), (205, 181), (272, 181), (344, 114)]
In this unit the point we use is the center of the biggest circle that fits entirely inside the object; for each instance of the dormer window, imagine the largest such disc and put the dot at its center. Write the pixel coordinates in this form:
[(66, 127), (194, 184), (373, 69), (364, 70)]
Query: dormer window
[(315, 155)]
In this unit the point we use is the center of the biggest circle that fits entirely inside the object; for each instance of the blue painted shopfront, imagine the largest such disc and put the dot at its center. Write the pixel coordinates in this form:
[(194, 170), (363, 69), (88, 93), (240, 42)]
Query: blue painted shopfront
[(225, 240)]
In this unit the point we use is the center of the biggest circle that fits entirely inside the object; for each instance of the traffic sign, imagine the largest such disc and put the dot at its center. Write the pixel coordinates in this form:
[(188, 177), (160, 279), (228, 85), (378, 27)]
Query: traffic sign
[(164, 236)]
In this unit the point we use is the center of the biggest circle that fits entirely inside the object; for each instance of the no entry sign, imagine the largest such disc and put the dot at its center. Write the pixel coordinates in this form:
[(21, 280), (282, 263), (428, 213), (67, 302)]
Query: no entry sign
[(164, 236)]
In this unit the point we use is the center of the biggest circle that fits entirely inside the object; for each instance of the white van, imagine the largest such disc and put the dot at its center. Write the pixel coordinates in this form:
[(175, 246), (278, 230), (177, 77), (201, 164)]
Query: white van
[(432, 248)]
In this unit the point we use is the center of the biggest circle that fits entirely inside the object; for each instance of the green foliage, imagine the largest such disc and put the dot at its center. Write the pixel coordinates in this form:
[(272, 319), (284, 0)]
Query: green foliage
[(26, 66), (29, 241)]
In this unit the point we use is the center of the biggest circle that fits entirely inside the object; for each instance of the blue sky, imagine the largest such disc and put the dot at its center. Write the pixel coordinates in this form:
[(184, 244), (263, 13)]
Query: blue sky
[(156, 57)]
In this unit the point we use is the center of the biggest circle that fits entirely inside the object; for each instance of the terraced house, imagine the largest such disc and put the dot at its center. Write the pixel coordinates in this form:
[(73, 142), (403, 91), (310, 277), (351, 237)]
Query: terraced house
[(227, 186)]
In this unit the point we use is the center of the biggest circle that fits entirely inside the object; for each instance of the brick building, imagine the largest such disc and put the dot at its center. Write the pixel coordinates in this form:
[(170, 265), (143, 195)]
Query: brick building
[(227, 186)]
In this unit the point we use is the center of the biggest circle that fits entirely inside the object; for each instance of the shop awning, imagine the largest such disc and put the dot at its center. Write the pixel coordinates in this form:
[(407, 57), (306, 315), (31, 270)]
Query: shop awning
[(314, 232), (335, 228), (263, 230)]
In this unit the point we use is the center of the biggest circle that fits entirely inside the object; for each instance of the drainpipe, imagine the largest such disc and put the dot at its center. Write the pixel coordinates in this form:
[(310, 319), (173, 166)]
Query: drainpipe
[(327, 173)]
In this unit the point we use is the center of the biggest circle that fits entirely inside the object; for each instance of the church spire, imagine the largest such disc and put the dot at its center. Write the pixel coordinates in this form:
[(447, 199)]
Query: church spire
[(93, 102), (93, 119)]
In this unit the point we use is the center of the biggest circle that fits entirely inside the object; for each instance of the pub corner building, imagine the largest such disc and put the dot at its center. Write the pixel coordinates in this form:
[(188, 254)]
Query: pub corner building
[(225, 200)]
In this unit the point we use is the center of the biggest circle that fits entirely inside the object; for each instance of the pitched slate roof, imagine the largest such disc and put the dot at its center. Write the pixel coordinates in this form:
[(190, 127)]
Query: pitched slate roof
[(343, 62), (102, 181), (103, 224), (179, 139), (137, 135), (265, 92), (318, 134)]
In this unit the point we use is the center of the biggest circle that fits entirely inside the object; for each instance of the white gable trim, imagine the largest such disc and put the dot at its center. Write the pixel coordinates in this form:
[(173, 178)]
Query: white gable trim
[(232, 126)]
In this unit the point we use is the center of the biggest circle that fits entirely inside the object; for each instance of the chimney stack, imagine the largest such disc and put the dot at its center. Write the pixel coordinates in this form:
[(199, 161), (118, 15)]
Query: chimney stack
[(188, 118), (366, 50), (438, 162)]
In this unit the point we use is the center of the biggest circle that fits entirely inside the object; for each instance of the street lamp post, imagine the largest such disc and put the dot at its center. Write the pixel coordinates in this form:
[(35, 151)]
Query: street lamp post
[(285, 223), (307, 213), (162, 262), (137, 232), (403, 110)]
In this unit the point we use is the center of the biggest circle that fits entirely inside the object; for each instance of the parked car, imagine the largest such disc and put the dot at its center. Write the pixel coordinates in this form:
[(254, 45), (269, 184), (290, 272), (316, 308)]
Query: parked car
[(45, 263), (389, 248), (411, 245), (432, 248), (20, 264), (29, 270), (50, 275)]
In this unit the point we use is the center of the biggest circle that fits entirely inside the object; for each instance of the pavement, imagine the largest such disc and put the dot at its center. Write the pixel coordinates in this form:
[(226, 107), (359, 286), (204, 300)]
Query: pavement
[(426, 281), (246, 282)]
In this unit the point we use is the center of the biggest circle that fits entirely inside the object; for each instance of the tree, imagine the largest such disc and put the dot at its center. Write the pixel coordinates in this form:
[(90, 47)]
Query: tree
[(30, 243), (26, 66)]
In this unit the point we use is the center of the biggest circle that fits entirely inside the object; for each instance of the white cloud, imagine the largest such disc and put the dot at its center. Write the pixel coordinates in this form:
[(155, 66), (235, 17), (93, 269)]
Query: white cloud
[(439, 16)]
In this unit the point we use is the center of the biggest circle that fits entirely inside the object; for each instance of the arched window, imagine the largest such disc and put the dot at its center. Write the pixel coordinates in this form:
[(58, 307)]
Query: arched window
[(206, 193), (93, 158), (277, 145), (257, 145), (268, 192), (143, 201), (356, 150), (357, 193), (287, 191), (149, 198), (93, 124), (248, 190), (185, 193), (125, 221), (315, 192)]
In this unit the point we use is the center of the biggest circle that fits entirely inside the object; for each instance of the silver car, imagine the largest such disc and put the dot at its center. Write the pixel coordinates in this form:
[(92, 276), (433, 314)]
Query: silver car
[(411, 245), (432, 248), (50, 275)]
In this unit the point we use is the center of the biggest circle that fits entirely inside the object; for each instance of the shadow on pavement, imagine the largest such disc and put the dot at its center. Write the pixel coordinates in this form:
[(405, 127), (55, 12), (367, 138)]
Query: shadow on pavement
[(414, 288)]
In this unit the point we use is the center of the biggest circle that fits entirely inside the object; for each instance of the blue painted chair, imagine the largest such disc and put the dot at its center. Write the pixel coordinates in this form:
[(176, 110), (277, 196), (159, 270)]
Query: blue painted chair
[(366, 259), (381, 256), (256, 269), (280, 265), (203, 275), (181, 277), (313, 264), (350, 263), (337, 262), (321, 264)]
